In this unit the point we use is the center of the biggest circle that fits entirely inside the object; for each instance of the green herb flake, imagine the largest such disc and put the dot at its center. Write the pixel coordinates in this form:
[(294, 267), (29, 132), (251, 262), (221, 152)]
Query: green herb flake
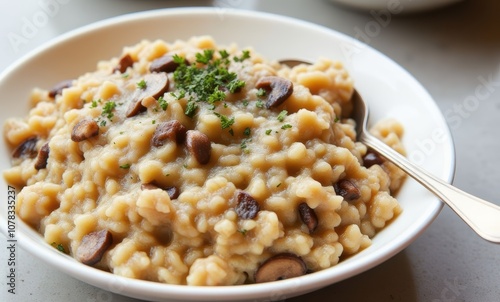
[(261, 92), (191, 109), (245, 103), (244, 142), (94, 104), (259, 104), (125, 166), (205, 57), (178, 59), (245, 55), (224, 54), (282, 115), (286, 126), (142, 84), (247, 131), (102, 123), (125, 75), (268, 131), (337, 119), (243, 231), (107, 109), (59, 247), (163, 103), (153, 122), (225, 122)]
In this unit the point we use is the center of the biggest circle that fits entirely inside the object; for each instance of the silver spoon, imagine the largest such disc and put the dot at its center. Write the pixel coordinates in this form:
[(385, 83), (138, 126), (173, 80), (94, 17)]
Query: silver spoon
[(482, 216)]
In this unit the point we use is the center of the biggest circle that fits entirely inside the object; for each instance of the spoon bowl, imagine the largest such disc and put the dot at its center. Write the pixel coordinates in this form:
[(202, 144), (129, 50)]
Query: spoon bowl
[(482, 216)]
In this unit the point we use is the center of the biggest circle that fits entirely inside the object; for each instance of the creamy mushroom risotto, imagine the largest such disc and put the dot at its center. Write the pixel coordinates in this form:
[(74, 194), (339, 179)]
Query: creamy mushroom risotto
[(188, 162)]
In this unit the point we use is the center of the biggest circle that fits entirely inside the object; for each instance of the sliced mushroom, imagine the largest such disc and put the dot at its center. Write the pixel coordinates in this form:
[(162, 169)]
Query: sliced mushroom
[(173, 192), (165, 63), (172, 130), (247, 207), (372, 158), (58, 88), (198, 144), (280, 267), (308, 217), (27, 149), (279, 89), (347, 189), (93, 247), (156, 86), (84, 129), (43, 156), (125, 62)]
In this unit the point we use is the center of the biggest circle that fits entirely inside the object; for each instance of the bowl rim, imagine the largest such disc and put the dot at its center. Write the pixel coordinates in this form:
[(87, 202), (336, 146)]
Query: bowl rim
[(133, 287)]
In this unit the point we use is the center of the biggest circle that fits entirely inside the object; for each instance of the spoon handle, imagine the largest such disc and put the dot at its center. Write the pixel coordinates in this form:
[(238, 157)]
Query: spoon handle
[(482, 216)]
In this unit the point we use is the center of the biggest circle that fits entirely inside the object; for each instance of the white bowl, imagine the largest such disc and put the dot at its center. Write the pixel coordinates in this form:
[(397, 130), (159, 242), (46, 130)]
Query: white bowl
[(389, 89), (397, 6)]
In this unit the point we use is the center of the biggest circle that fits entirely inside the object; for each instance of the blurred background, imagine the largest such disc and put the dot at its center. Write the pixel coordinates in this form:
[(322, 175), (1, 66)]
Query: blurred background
[(454, 51)]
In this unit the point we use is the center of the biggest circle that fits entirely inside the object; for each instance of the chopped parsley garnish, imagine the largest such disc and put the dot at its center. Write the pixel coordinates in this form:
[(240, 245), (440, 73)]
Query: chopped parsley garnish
[(336, 120), (107, 109), (142, 84), (243, 231), (225, 122), (247, 131), (224, 54), (163, 103), (209, 82), (261, 92), (245, 55), (286, 126), (268, 131), (94, 104), (153, 122), (191, 108), (259, 104), (59, 247), (205, 57), (282, 115), (245, 103), (244, 142), (125, 166)]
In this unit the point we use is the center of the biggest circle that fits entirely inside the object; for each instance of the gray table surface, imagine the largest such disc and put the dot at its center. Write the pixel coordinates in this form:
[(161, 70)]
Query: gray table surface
[(454, 52)]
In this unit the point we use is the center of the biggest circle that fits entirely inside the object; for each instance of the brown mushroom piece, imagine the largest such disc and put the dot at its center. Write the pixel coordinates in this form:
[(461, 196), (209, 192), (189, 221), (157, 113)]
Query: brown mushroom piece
[(279, 89), (43, 156), (125, 62), (372, 158), (27, 149), (58, 88), (280, 267), (165, 63), (173, 192), (171, 130), (156, 85), (198, 144), (84, 129), (247, 207), (347, 189), (308, 217), (93, 246)]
